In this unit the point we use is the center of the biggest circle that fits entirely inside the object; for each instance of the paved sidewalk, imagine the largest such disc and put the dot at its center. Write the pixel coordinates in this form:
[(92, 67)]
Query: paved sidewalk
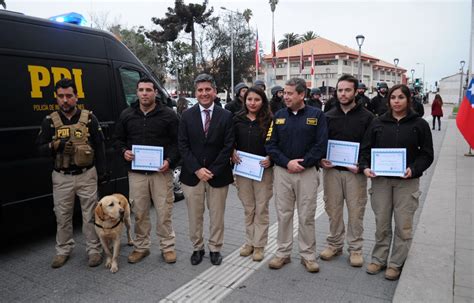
[(439, 267)]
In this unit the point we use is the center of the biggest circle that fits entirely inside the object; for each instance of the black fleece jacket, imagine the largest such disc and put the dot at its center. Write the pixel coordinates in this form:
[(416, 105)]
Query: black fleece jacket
[(411, 132)]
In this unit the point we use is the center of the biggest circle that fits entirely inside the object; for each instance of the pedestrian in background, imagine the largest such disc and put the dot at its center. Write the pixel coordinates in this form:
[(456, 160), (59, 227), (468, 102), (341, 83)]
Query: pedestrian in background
[(347, 121), (361, 97), (416, 102), (296, 142), (148, 122), (437, 110), (75, 141), (251, 127), (396, 197), (378, 104), (277, 103), (237, 104), (206, 142), (315, 98), (181, 106)]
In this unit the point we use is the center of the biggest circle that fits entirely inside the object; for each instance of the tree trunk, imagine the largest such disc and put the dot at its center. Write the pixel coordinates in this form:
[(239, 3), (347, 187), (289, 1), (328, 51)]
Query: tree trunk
[(193, 46)]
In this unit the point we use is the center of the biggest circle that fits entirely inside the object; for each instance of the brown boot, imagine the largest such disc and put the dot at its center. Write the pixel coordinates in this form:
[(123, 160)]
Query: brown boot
[(310, 265), (356, 259), (59, 260), (94, 260), (277, 262), (169, 256), (258, 254), (392, 273), (329, 252), (137, 256), (246, 250), (374, 268)]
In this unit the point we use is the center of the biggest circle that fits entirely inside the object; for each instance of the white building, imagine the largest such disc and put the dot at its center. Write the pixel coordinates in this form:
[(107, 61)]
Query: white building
[(449, 88)]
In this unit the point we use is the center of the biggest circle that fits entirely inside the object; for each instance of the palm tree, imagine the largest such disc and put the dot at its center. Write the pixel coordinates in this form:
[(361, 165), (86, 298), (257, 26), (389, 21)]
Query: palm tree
[(2, 3), (247, 15), (309, 35), (288, 38)]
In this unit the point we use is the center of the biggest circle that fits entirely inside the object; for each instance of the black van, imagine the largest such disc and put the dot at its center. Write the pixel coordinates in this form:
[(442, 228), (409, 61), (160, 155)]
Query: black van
[(34, 54)]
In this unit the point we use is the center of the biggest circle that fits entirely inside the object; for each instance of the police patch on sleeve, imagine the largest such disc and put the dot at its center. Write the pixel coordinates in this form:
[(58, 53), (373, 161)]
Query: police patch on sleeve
[(312, 121), (280, 121)]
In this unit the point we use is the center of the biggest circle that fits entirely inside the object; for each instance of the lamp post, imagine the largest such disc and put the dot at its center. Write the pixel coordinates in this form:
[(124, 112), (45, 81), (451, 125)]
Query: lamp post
[(231, 49), (421, 63), (413, 78), (460, 82), (360, 40), (395, 61), (327, 83)]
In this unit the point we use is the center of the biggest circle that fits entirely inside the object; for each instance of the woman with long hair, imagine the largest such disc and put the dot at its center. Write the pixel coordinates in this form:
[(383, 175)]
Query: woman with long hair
[(437, 110), (399, 127), (251, 125)]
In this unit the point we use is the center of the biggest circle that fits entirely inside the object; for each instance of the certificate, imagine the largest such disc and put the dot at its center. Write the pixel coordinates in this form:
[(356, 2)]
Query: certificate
[(343, 153), (389, 161), (249, 166), (147, 157)]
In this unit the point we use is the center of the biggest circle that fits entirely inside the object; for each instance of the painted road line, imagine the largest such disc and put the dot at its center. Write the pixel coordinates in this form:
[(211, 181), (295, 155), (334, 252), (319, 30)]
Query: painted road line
[(217, 282)]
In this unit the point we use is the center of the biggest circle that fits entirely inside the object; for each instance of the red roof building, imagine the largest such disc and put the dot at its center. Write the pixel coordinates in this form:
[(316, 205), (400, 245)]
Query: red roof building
[(332, 60)]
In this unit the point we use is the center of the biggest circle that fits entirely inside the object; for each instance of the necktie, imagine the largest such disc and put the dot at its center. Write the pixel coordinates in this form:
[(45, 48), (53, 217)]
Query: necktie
[(207, 122)]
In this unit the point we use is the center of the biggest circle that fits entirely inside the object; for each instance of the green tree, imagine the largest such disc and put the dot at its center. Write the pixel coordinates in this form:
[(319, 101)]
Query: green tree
[(2, 3), (247, 15), (309, 35), (288, 38), (180, 64), (219, 60), (182, 17), (153, 55)]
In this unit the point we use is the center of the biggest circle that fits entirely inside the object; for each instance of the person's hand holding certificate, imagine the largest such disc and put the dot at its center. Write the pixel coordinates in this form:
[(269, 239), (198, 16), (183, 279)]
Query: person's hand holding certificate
[(343, 153), (389, 161), (147, 157), (249, 165)]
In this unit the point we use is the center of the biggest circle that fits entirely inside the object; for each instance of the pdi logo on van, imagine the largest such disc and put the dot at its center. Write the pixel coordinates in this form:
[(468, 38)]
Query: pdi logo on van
[(63, 133), (78, 133)]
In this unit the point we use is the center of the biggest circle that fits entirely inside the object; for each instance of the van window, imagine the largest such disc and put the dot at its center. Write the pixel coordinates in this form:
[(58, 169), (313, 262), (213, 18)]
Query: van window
[(129, 83)]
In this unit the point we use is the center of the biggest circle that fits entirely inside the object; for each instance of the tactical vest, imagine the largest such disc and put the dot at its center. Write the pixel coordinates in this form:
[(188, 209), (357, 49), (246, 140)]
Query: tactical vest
[(78, 133)]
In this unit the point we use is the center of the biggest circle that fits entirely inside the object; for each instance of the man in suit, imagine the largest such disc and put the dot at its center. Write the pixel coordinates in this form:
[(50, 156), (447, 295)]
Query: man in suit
[(205, 142)]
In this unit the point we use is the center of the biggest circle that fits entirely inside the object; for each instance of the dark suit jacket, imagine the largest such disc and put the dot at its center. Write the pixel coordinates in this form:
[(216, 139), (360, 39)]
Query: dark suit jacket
[(213, 152)]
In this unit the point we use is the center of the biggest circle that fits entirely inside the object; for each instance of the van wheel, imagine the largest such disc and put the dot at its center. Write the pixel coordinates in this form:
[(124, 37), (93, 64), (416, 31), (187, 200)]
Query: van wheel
[(178, 192)]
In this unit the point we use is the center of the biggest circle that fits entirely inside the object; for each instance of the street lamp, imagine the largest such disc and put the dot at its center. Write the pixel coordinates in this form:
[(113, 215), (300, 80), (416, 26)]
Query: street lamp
[(413, 78), (395, 61), (423, 74), (231, 48), (327, 83), (460, 82), (360, 40)]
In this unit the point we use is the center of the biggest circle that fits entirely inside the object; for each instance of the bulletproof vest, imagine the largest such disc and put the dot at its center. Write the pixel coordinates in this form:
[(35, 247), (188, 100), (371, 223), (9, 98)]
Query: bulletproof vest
[(82, 154)]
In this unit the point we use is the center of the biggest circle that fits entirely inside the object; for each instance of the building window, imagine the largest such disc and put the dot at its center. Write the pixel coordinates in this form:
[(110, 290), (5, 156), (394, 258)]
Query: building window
[(279, 77), (346, 62), (326, 62)]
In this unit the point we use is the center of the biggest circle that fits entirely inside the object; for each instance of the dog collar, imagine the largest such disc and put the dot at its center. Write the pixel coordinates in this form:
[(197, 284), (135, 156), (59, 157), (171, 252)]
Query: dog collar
[(116, 224)]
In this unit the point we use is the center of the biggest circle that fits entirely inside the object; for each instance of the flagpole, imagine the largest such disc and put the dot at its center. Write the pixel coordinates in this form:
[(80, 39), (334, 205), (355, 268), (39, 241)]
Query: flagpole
[(288, 65), (257, 59), (273, 48), (312, 68), (469, 73)]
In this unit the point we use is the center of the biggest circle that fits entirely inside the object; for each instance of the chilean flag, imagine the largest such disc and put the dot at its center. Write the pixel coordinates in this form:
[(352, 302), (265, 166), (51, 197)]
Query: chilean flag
[(465, 116)]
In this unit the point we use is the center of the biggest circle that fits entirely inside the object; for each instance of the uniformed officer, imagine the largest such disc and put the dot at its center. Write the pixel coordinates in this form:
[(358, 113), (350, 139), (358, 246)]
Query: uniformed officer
[(379, 103), (296, 142), (315, 98), (361, 98), (74, 139)]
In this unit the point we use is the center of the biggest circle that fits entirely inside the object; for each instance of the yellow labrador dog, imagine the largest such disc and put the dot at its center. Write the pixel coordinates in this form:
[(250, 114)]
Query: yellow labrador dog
[(110, 215)]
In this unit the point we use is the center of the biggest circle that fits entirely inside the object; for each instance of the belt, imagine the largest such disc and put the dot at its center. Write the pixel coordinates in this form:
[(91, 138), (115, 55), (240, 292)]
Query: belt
[(341, 168), (73, 172)]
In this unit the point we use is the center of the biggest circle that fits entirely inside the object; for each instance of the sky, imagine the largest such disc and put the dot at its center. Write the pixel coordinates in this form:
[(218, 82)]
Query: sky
[(435, 34)]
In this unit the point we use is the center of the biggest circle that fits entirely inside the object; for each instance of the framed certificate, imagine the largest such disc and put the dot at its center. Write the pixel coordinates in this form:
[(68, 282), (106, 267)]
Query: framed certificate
[(389, 161), (147, 157), (343, 153), (249, 166)]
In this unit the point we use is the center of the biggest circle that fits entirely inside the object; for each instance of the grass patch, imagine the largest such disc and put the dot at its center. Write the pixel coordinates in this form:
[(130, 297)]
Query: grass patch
[(455, 109)]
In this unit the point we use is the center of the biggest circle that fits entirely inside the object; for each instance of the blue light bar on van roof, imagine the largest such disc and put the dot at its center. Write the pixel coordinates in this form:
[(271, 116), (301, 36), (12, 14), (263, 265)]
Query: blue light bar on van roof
[(73, 18)]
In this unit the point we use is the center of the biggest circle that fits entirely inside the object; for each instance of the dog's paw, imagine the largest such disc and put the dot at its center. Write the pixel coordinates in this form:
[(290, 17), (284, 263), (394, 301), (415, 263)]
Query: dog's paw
[(108, 263), (130, 242), (114, 267)]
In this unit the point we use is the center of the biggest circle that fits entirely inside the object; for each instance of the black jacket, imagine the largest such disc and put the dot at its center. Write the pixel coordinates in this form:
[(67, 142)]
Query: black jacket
[(331, 103), (300, 136), (249, 136), (315, 103), (411, 132), (379, 105), (418, 107), (234, 106), (276, 104), (364, 100), (47, 132), (157, 128), (350, 126), (212, 152)]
